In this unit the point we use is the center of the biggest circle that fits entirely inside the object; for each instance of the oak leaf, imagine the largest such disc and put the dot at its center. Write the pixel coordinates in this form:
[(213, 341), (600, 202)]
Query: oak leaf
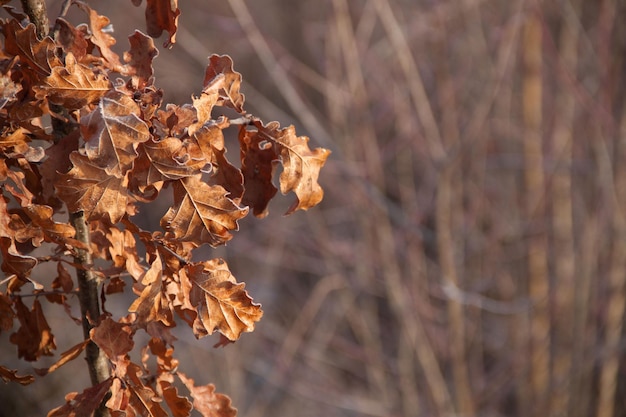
[(179, 406), (139, 60), (301, 166), (6, 313), (220, 78), (202, 213), (14, 263), (33, 338), (9, 375), (72, 86), (100, 37), (152, 305), (67, 356), (162, 15), (112, 133), (89, 188), (208, 402), (221, 303), (72, 39), (85, 403), (37, 55), (114, 338), (259, 159)]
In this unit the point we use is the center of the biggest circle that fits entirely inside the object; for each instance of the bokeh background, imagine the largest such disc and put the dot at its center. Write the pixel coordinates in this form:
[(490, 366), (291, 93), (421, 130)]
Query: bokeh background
[(469, 257)]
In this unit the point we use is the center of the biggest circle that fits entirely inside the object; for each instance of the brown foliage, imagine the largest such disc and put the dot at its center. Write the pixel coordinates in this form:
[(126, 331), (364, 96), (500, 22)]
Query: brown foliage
[(120, 145)]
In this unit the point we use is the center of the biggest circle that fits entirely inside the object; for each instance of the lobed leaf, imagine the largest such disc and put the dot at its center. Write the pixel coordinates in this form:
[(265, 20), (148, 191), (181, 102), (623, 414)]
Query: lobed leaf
[(221, 79), (114, 338), (9, 375), (162, 15), (34, 337), (112, 133), (208, 402), (221, 303), (72, 86), (85, 403), (201, 213)]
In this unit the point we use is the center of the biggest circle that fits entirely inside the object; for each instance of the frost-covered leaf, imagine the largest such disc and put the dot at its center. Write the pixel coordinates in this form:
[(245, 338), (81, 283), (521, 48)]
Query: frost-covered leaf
[(201, 213), (73, 86)]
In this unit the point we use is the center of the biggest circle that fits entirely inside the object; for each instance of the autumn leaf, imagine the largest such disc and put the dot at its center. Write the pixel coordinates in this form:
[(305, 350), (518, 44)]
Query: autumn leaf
[(14, 263), (85, 403), (151, 305), (34, 338), (9, 375), (162, 15), (139, 60), (88, 188), (67, 356), (202, 213), (72, 39), (6, 313), (41, 216), (220, 78), (101, 38), (259, 159), (114, 338), (112, 133), (37, 55), (72, 86), (301, 166), (179, 406), (221, 303), (208, 402)]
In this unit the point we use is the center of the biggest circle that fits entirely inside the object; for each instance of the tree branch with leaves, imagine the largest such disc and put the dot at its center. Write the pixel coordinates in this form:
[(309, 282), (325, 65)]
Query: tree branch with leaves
[(81, 153)]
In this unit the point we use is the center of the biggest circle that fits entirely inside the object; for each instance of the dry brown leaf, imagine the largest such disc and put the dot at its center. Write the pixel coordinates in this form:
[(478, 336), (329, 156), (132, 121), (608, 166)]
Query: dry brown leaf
[(72, 86), (37, 55), (99, 26), (41, 216), (221, 303), (14, 263), (112, 133), (9, 375), (179, 406), (6, 313), (72, 39), (34, 338), (67, 356), (202, 213), (259, 159), (114, 338), (85, 403), (152, 305), (301, 166), (208, 402), (162, 15), (88, 187), (220, 78), (139, 60)]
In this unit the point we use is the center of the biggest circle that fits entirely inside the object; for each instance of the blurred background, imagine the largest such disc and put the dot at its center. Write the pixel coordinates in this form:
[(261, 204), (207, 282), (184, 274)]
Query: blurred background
[(469, 257)]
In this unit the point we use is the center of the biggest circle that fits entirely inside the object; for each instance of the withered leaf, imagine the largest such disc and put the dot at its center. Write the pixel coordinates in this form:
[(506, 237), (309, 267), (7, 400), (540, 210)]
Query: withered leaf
[(8, 90), (73, 86), (222, 303), (162, 15), (37, 54), (208, 402), (112, 133), (301, 166), (33, 338), (15, 143), (114, 338), (85, 403), (139, 60), (172, 158), (101, 39), (151, 304), (259, 159), (41, 216), (67, 356), (72, 39), (123, 250), (89, 188), (202, 213), (179, 406), (6, 313), (9, 375), (220, 78), (13, 262)]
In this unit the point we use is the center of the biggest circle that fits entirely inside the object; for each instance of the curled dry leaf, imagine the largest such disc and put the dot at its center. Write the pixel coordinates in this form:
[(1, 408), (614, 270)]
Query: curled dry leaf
[(220, 78), (9, 375), (99, 27), (72, 86), (162, 15), (114, 338), (37, 55), (89, 188), (112, 133), (202, 213), (139, 60), (208, 402), (34, 337), (67, 356), (152, 304), (85, 403), (221, 303)]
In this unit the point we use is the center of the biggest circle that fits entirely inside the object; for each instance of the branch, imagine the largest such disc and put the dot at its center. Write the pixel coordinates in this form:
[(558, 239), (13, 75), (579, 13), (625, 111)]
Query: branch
[(36, 11)]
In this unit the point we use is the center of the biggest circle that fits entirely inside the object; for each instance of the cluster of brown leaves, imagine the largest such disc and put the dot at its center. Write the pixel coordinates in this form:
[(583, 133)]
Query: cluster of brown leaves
[(125, 147)]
